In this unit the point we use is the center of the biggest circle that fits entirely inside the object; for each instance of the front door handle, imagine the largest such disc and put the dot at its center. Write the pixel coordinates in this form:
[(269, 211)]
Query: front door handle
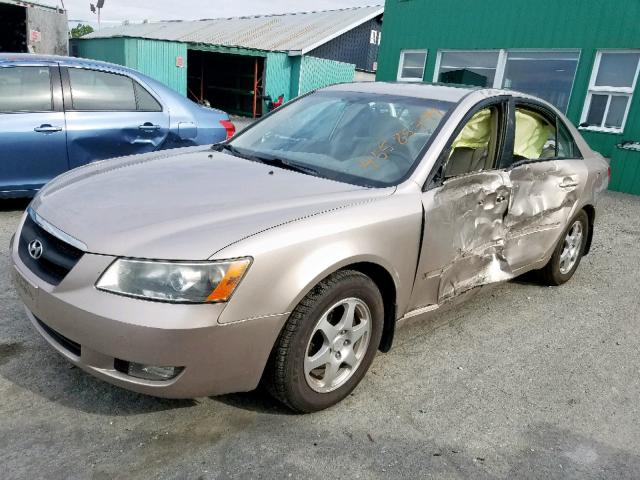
[(149, 127), (46, 128)]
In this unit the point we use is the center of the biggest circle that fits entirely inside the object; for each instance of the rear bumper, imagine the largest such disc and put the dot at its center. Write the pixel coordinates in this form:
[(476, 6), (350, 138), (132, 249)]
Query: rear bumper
[(217, 358)]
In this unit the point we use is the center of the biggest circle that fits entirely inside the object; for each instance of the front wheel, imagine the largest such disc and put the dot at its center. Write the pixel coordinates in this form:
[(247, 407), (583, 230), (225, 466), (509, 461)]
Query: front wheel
[(568, 253), (328, 343)]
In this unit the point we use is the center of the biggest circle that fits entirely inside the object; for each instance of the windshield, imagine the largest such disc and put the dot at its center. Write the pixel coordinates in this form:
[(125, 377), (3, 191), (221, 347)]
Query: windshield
[(359, 138)]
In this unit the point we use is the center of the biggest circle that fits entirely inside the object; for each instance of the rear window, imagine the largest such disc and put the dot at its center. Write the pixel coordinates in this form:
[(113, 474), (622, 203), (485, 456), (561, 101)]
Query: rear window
[(25, 89)]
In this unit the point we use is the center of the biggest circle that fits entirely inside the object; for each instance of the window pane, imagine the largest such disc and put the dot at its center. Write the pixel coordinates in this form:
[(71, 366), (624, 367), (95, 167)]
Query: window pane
[(357, 137), (566, 144), (146, 102), (25, 89), (93, 90), (617, 108), (474, 150), (548, 75), (413, 65), (535, 136), (617, 69), (596, 110), (469, 68)]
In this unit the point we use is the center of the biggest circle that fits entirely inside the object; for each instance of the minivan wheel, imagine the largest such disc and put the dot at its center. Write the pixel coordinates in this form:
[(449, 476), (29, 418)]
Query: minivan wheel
[(328, 343), (568, 253)]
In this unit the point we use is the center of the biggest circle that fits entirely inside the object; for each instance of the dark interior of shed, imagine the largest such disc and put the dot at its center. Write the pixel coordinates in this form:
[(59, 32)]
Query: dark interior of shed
[(233, 83), (13, 28)]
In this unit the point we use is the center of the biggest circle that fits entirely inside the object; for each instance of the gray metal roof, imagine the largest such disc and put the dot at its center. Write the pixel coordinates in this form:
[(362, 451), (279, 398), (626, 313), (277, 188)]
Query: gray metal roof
[(30, 3), (296, 33)]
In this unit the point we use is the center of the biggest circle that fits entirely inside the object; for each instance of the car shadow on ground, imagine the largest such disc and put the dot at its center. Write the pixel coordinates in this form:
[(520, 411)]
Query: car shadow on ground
[(14, 204), (258, 401)]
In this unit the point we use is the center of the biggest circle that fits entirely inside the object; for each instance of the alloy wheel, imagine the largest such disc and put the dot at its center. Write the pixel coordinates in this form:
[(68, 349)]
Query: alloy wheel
[(571, 248), (338, 344)]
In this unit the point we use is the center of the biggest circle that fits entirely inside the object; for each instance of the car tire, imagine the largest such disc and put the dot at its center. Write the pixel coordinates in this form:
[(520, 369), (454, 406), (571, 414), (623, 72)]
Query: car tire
[(318, 331), (568, 253)]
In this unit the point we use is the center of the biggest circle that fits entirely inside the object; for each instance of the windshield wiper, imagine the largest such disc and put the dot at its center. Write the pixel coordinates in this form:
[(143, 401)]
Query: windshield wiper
[(288, 165), (271, 161)]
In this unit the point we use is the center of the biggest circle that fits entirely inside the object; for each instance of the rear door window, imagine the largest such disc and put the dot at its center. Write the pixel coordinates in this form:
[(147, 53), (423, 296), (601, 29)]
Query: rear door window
[(541, 135), (25, 89), (535, 136), (567, 147), (145, 101), (101, 91)]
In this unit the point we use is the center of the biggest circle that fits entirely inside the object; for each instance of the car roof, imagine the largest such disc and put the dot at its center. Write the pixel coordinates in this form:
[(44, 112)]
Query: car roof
[(444, 92), (70, 61)]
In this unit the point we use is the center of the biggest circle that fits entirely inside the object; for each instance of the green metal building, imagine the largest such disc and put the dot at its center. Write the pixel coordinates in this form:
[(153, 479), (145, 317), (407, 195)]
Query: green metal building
[(234, 63), (581, 55)]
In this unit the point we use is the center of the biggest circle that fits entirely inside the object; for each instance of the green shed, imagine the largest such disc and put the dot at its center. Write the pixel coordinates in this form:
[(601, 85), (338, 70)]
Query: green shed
[(240, 64), (581, 55)]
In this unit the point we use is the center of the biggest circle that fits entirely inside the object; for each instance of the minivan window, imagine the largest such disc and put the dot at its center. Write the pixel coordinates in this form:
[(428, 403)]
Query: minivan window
[(25, 89), (95, 90), (359, 138)]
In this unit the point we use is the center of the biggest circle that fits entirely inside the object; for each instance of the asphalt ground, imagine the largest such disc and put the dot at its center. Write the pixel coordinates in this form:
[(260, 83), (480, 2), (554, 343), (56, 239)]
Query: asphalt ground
[(522, 381)]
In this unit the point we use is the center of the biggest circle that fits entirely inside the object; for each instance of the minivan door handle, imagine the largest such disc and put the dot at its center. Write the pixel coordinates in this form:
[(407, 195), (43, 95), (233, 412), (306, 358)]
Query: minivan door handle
[(149, 127), (46, 128)]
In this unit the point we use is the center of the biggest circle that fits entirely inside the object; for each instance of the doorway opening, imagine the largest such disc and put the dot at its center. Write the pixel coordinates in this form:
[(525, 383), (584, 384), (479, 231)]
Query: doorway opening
[(233, 83), (13, 28)]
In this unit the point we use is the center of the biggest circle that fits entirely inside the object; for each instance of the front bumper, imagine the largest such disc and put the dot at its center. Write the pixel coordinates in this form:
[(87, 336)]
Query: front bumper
[(217, 358)]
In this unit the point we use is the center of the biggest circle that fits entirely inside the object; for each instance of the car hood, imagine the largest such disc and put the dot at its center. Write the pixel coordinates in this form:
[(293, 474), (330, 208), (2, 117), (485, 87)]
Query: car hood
[(186, 204)]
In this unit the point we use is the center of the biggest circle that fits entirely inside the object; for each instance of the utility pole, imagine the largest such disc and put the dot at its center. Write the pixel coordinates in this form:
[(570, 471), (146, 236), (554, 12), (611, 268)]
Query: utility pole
[(97, 8)]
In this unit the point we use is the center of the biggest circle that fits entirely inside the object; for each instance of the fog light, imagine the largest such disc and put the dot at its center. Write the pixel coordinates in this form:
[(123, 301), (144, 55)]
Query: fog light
[(147, 372)]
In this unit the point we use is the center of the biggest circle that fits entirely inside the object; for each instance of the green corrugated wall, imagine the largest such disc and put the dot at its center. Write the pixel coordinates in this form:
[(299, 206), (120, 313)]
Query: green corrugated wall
[(277, 76), (587, 25), (319, 72), (106, 49), (158, 60), (154, 58)]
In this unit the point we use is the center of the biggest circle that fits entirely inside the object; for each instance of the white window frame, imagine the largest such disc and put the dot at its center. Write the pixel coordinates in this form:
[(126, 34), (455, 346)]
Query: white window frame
[(610, 92), (497, 81), (503, 57), (399, 77)]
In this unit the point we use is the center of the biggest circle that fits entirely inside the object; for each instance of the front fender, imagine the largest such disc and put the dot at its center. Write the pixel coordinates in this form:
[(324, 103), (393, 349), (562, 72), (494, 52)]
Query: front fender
[(288, 261)]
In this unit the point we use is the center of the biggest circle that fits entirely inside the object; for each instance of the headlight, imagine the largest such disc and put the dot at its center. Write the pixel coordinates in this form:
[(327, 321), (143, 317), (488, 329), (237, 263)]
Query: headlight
[(177, 282)]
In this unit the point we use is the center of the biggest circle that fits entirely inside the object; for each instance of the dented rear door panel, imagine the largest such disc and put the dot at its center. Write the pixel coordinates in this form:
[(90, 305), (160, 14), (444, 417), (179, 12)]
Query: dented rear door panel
[(545, 196)]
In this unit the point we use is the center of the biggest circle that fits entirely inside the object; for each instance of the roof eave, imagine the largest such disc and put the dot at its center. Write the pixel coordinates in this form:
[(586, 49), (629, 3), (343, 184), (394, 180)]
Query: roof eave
[(371, 16)]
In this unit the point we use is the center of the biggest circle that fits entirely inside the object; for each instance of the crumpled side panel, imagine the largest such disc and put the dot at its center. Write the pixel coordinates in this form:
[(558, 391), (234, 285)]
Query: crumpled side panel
[(541, 202), (465, 235)]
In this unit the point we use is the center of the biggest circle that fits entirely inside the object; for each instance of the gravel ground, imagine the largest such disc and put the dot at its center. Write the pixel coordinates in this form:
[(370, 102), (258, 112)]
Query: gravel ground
[(522, 381)]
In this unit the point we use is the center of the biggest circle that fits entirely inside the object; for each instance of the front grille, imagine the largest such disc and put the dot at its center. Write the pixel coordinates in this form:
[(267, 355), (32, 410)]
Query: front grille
[(63, 341), (58, 257)]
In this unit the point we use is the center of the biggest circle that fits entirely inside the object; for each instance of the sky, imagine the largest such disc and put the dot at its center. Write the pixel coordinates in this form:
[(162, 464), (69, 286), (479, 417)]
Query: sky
[(116, 11)]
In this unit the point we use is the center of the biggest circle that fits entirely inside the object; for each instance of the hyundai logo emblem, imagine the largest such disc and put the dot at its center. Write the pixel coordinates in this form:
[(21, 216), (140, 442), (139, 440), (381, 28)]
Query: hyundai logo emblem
[(35, 249)]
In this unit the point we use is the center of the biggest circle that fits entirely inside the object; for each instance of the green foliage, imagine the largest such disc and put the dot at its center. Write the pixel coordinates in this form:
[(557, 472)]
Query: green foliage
[(81, 30)]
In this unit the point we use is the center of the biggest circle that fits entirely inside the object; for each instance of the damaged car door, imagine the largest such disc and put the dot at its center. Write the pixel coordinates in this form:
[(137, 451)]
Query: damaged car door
[(548, 176), (464, 208), (110, 115)]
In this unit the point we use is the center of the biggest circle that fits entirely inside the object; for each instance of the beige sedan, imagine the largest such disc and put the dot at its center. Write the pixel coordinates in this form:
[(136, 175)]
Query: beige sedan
[(290, 253)]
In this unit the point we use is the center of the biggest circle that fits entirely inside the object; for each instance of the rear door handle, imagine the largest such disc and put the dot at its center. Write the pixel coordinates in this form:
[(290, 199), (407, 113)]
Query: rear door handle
[(46, 128), (568, 184), (149, 127)]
